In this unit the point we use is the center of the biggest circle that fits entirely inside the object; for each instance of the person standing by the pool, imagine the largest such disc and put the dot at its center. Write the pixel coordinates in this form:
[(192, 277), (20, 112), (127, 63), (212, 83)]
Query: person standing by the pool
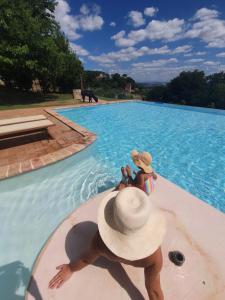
[(130, 231), (145, 178)]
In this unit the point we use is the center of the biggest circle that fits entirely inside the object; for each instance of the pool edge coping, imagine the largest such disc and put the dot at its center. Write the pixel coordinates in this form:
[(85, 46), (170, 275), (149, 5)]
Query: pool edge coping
[(210, 210), (88, 136)]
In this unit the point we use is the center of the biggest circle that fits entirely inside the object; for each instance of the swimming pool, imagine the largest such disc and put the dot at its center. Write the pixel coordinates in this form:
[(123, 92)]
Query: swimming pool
[(187, 144), (188, 147)]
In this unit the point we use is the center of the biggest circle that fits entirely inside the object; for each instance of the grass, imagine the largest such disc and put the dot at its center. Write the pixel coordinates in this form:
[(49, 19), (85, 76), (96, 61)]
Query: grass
[(15, 99), (110, 99), (135, 96)]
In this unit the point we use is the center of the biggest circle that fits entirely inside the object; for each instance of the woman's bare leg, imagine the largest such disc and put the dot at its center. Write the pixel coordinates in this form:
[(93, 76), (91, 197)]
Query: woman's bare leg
[(120, 187), (122, 184)]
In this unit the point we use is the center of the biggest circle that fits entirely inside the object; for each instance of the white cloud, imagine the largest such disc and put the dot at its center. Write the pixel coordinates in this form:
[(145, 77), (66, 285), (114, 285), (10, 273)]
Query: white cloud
[(68, 23), (195, 60), (222, 54), (123, 55), (205, 14), (166, 71), (88, 19), (94, 9), (201, 53), (155, 63), (160, 71), (182, 49), (165, 30), (211, 63), (91, 23), (205, 25), (121, 41), (79, 50), (155, 30), (113, 24), (131, 53), (150, 11), (119, 35), (158, 74), (136, 36), (136, 18), (82, 60), (209, 28), (84, 9)]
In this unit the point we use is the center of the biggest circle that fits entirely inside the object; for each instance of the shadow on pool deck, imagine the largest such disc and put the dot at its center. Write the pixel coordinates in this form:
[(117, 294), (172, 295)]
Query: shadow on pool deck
[(77, 243), (12, 277), (193, 228)]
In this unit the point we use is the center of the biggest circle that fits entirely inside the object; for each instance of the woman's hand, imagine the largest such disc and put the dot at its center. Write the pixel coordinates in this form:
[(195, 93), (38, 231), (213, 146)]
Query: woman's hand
[(61, 277)]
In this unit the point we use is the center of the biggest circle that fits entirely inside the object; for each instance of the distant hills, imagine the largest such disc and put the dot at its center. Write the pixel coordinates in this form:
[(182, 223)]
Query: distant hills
[(150, 84)]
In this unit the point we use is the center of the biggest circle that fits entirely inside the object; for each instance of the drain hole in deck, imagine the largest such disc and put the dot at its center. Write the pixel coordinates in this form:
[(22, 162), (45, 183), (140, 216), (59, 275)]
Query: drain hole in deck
[(177, 258)]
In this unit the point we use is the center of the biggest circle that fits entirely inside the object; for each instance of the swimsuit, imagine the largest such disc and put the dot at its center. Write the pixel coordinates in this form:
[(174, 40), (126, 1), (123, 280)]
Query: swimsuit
[(149, 185)]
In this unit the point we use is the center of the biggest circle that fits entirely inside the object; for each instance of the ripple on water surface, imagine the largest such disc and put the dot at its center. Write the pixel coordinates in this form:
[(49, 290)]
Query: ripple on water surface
[(188, 145)]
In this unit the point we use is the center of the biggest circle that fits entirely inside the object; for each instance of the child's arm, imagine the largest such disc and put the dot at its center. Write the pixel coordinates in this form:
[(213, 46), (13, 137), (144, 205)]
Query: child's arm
[(154, 175)]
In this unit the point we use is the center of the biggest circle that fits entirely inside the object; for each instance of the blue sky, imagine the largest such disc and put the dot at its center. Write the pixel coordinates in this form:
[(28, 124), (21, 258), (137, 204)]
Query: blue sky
[(150, 40)]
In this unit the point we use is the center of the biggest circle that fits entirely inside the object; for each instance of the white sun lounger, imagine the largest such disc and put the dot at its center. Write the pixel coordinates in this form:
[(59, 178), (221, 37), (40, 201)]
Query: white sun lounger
[(22, 120), (24, 129)]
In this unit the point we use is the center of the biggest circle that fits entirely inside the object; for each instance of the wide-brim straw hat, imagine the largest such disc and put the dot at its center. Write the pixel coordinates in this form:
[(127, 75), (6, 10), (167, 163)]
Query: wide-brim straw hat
[(129, 224), (142, 160)]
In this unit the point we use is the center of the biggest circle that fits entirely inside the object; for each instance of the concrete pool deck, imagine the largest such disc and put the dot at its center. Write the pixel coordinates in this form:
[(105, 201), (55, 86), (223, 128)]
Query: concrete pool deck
[(193, 227)]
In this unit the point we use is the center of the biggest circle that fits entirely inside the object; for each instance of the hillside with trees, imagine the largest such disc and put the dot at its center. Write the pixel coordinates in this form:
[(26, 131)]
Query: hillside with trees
[(191, 88), (109, 86), (33, 49)]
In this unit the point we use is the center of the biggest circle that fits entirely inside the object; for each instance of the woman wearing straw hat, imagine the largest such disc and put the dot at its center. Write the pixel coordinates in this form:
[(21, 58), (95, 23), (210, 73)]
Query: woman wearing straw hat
[(130, 231), (145, 178)]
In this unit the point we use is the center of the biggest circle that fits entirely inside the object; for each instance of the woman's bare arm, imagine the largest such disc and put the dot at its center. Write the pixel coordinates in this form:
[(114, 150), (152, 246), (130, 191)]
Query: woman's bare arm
[(66, 270), (152, 278)]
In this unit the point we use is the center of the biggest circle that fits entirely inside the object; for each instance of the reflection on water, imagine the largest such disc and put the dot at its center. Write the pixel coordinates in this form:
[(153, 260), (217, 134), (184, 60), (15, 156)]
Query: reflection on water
[(13, 278)]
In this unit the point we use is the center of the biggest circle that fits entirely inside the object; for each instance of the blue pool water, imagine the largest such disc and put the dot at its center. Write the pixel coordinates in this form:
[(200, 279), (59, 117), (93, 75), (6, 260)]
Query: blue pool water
[(188, 145), (188, 148)]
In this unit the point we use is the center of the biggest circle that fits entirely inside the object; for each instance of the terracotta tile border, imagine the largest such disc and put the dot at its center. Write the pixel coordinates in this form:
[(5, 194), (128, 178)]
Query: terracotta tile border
[(4, 172), (55, 156)]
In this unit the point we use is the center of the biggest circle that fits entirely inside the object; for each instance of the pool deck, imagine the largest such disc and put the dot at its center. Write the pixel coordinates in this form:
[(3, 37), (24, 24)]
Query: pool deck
[(193, 227), (65, 139)]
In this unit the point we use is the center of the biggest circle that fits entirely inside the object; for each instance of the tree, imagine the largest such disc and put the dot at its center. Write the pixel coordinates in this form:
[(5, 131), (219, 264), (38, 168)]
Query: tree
[(216, 89), (118, 81), (192, 88), (121, 81), (156, 93), (95, 78), (70, 74), (23, 26), (32, 46), (189, 87)]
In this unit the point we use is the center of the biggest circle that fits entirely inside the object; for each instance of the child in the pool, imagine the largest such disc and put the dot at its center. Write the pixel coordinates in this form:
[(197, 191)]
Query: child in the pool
[(145, 178)]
